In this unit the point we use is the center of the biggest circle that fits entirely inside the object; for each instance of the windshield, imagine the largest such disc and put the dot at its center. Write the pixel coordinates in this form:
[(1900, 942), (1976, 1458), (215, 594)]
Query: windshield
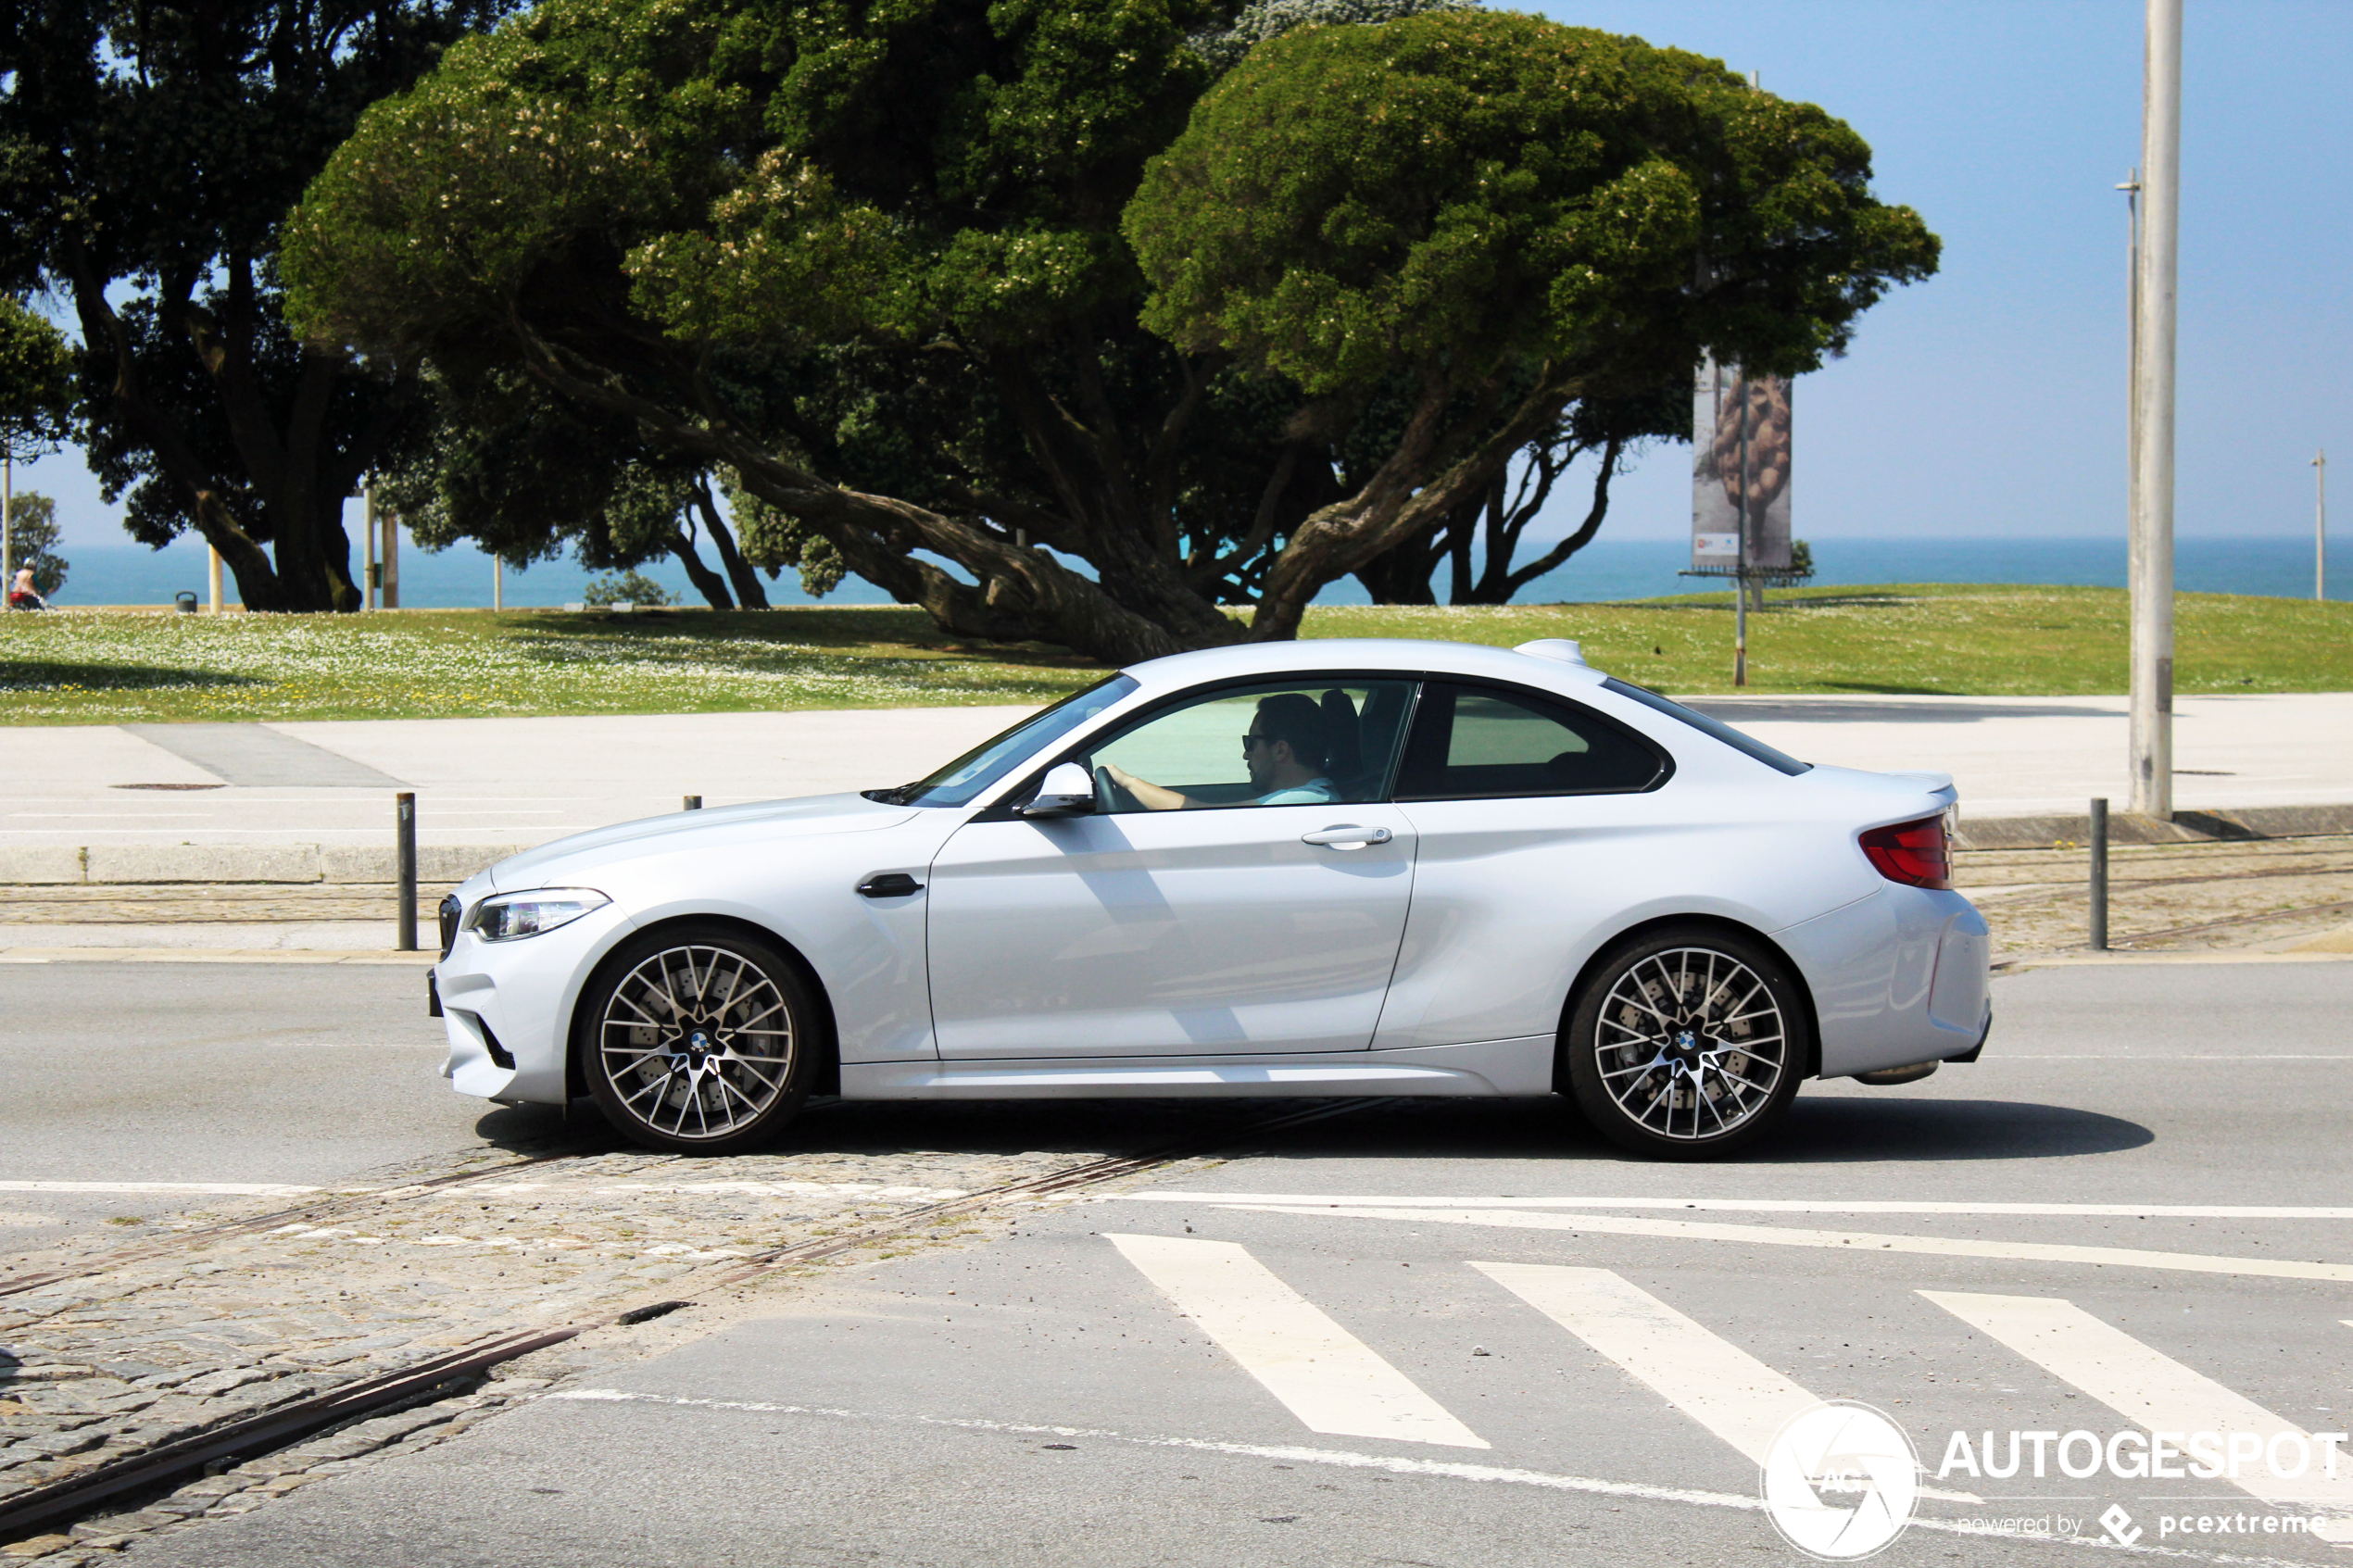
[(1748, 746), (960, 781)]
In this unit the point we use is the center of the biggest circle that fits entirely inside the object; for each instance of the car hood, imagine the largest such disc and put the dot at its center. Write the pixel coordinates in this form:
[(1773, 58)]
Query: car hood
[(767, 820)]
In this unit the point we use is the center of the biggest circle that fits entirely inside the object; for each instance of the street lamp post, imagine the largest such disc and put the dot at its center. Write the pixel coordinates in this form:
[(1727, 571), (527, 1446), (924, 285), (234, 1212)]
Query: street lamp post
[(2152, 544)]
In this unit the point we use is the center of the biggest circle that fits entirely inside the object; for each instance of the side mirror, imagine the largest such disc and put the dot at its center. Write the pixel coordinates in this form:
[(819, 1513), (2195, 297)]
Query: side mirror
[(1068, 791)]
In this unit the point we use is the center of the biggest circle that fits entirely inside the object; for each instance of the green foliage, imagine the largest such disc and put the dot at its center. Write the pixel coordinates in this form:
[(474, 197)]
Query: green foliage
[(32, 541), (36, 383), (1224, 47), (898, 267), (1451, 191), (774, 539), (148, 157), (626, 587)]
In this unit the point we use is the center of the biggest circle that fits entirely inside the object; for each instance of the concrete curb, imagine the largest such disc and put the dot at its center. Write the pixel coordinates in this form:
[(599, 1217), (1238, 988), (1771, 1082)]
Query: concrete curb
[(118, 865), (2187, 827), (129, 865)]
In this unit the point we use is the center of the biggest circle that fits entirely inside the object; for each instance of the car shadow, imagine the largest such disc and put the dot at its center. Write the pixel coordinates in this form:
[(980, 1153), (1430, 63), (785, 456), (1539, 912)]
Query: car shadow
[(1818, 1130)]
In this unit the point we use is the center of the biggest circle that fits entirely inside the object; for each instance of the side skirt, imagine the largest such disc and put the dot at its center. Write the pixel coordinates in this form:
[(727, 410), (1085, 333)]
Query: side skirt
[(1523, 1066)]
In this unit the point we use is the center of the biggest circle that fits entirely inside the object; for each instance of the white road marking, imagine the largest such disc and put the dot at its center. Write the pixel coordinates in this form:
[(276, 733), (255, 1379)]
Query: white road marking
[(226, 1189), (1331, 1380), (2153, 1392), (1764, 1205), (1707, 1378), (1394, 1464), (1705, 1375), (1844, 1241)]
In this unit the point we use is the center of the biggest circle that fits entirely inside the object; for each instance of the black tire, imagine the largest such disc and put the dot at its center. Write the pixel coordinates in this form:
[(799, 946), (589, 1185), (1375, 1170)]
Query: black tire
[(1687, 1043), (698, 1039)]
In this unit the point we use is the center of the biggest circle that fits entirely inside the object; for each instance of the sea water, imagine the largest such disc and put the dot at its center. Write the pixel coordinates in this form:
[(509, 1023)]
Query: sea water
[(1605, 570)]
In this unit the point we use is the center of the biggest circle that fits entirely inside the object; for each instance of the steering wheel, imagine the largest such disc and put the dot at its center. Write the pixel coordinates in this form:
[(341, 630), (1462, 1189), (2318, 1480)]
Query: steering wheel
[(1105, 790)]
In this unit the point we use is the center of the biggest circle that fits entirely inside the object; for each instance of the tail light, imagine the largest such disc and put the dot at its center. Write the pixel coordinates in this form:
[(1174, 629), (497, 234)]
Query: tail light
[(1915, 854)]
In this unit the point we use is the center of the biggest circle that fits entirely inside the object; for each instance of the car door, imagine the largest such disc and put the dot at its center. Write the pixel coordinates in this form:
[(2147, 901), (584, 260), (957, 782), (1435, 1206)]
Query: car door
[(1262, 916), (1536, 819)]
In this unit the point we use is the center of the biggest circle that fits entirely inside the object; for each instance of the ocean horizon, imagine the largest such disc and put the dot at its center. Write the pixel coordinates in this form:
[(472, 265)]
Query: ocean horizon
[(1607, 570)]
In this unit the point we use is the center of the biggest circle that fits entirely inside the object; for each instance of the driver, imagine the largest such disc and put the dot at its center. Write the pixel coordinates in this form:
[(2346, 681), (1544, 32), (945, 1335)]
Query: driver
[(1285, 750)]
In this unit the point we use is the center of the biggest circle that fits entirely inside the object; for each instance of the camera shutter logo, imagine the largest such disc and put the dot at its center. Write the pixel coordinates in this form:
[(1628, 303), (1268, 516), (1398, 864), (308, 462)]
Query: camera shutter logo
[(1841, 1481)]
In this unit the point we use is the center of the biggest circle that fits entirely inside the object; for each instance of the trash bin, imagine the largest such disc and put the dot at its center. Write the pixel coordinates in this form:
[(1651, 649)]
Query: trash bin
[(187, 603)]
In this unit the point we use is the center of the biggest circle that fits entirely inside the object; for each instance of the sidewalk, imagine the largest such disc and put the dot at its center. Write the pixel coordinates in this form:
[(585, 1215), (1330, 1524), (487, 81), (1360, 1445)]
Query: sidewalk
[(313, 802)]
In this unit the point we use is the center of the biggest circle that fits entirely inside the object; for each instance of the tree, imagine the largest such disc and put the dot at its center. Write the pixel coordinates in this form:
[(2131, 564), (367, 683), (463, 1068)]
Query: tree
[(1492, 522), (890, 266), (148, 156), (1489, 203), (509, 466), (34, 542), (36, 383)]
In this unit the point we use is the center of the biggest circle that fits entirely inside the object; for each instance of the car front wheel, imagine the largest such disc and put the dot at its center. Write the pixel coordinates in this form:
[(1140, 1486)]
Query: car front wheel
[(1687, 1043), (698, 1040)]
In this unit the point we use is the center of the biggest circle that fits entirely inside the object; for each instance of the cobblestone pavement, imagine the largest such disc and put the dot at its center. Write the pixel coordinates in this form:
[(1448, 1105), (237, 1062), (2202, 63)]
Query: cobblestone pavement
[(2035, 899), (166, 1339), (2164, 897), (172, 903)]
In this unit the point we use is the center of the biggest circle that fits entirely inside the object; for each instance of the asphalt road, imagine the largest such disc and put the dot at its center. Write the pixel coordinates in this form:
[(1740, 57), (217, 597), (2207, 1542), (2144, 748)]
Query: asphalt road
[(1436, 1333)]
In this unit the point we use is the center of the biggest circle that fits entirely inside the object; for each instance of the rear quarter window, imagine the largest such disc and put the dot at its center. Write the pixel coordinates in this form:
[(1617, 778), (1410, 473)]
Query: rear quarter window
[(1478, 742), (1747, 745)]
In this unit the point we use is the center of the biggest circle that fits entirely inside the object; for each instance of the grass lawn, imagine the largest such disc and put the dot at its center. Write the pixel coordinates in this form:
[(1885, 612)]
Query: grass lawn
[(115, 667)]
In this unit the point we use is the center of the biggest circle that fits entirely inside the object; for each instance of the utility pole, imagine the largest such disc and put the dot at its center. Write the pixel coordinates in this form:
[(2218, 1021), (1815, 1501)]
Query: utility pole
[(1740, 578), (2152, 543), (498, 584), (2132, 189), (2321, 528), (212, 577), (390, 524)]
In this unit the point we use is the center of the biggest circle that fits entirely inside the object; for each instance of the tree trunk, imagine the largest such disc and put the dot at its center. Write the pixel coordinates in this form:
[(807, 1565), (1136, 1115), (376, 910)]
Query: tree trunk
[(707, 583), (741, 572), (295, 475)]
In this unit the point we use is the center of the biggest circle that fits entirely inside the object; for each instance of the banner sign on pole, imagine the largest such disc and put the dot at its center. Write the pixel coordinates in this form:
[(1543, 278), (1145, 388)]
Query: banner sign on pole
[(1739, 470)]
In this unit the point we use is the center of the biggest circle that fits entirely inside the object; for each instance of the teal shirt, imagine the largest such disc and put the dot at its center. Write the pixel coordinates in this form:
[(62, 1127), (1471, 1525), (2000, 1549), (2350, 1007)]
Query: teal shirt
[(1314, 792)]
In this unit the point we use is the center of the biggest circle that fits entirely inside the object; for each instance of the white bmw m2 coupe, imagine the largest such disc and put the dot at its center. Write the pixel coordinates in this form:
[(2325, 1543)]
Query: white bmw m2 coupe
[(1302, 868)]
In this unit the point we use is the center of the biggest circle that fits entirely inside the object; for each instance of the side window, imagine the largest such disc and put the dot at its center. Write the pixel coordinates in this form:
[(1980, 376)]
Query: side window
[(1304, 741), (1473, 743)]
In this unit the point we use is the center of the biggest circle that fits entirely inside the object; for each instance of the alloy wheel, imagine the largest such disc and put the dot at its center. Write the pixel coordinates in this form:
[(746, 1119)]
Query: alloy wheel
[(1690, 1044), (696, 1042)]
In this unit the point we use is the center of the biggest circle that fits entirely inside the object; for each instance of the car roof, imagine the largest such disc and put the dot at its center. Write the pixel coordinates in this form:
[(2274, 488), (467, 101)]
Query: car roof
[(1402, 654)]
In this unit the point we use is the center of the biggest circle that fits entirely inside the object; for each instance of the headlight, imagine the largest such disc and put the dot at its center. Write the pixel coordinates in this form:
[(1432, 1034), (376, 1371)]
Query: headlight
[(504, 916)]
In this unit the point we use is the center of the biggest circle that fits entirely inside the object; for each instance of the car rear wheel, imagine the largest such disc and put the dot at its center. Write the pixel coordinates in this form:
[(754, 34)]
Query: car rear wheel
[(1687, 1043), (698, 1040)]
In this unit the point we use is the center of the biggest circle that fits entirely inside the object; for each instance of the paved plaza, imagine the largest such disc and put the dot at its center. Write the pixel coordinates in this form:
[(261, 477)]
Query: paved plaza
[(516, 782)]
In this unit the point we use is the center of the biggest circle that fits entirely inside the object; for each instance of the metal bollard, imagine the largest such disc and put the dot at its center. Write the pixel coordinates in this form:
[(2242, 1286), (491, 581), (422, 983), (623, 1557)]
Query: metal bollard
[(405, 851), (2100, 876), (694, 802)]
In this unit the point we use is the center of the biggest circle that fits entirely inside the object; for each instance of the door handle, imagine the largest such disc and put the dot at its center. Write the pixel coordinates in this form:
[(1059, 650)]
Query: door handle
[(1347, 835), (890, 884)]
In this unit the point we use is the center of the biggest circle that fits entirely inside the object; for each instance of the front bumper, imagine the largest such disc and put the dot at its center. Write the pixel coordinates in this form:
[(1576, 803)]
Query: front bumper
[(508, 1006)]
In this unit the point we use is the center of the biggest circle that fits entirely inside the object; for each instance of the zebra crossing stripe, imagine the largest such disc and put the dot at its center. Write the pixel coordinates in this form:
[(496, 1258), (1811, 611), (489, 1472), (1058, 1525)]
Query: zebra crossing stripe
[(2156, 1393), (1708, 1378), (1848, 1241), (1700, 1373), (1332, 1380)]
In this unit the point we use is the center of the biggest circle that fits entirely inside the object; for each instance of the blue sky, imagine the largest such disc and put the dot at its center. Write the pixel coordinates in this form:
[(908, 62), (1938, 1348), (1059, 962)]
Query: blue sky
[(1989, 401)]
